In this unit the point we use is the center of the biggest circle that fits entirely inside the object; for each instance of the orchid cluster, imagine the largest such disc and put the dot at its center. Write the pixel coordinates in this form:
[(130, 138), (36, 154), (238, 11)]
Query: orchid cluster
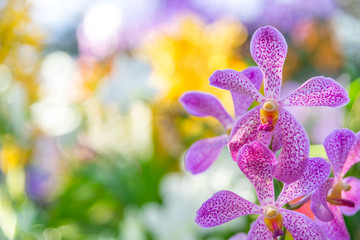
[(267, 142)]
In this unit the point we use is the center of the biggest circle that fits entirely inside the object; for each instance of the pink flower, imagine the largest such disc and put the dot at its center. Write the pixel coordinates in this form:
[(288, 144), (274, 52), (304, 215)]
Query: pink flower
[(338, 195), (258, 164), (270, 119), (239, 236), (203, 153)]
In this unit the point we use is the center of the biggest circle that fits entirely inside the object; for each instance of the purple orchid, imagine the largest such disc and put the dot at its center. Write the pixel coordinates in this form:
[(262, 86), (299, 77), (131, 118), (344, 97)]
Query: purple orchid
[(239, 236), (338, 195), (204, 152), (258, 163), (270, 119)]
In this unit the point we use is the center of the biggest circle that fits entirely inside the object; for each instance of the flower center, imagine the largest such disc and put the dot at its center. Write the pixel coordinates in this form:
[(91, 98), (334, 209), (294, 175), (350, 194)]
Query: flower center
[(271, 105), (334, 195), (269, 115), (273, 221), (271, 211)]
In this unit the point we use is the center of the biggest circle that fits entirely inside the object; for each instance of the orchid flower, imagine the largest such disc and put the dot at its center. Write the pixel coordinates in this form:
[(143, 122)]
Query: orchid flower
[(258, 163), (204, 152), (338, 195), (268, 49), (239, 236)]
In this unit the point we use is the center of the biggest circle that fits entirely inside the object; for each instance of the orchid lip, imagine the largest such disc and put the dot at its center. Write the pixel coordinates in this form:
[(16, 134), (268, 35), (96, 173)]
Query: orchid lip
[(268, 119), (267, 127), (278, 232), (341, 202), (334, 195)]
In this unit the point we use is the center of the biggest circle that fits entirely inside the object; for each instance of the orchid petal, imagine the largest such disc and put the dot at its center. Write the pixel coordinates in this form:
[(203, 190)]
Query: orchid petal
[(337, 145), (268, 49), (202, 104), (317, 91), (353, 195), (277, 139), (294, 155), (301, 226), (335, 229), (246, 130), (241, 102), (264, 138), (257, 162), (222, 207), (319, 205), (316, 173), (259, 231), (203, 153), (239, 236), (353, 156), (235, 82)]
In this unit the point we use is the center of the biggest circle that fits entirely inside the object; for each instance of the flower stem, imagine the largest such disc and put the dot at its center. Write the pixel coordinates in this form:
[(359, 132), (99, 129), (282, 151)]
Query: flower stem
[(283, 236)]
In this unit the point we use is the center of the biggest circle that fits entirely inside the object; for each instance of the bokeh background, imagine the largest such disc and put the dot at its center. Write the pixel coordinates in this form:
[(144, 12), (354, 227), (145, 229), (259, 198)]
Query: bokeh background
[(92, 136)]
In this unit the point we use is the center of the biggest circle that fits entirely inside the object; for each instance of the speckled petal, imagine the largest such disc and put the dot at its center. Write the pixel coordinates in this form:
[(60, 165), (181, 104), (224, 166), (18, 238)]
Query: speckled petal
[(203, 153), (246, 130), (241, 102), (335, 229), (319, 205), (277, 139), (316, 173), (353, 195), (353, 156), (235, 82), (294, 154), (222, 207), (265, 138), (317, 91), (301, 226), (337, 145), (268, 48), (239, 236), (202, 104), (257, 162), (259, 231)]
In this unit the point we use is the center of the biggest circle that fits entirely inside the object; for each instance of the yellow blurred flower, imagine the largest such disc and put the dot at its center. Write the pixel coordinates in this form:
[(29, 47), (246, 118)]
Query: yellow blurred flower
[(12, 155), (20, 43), (184, 56)]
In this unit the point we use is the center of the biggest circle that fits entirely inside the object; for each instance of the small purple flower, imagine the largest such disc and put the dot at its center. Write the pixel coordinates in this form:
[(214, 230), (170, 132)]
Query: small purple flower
[(258, 164), (204, 152), (268, 49), (338, 195)]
